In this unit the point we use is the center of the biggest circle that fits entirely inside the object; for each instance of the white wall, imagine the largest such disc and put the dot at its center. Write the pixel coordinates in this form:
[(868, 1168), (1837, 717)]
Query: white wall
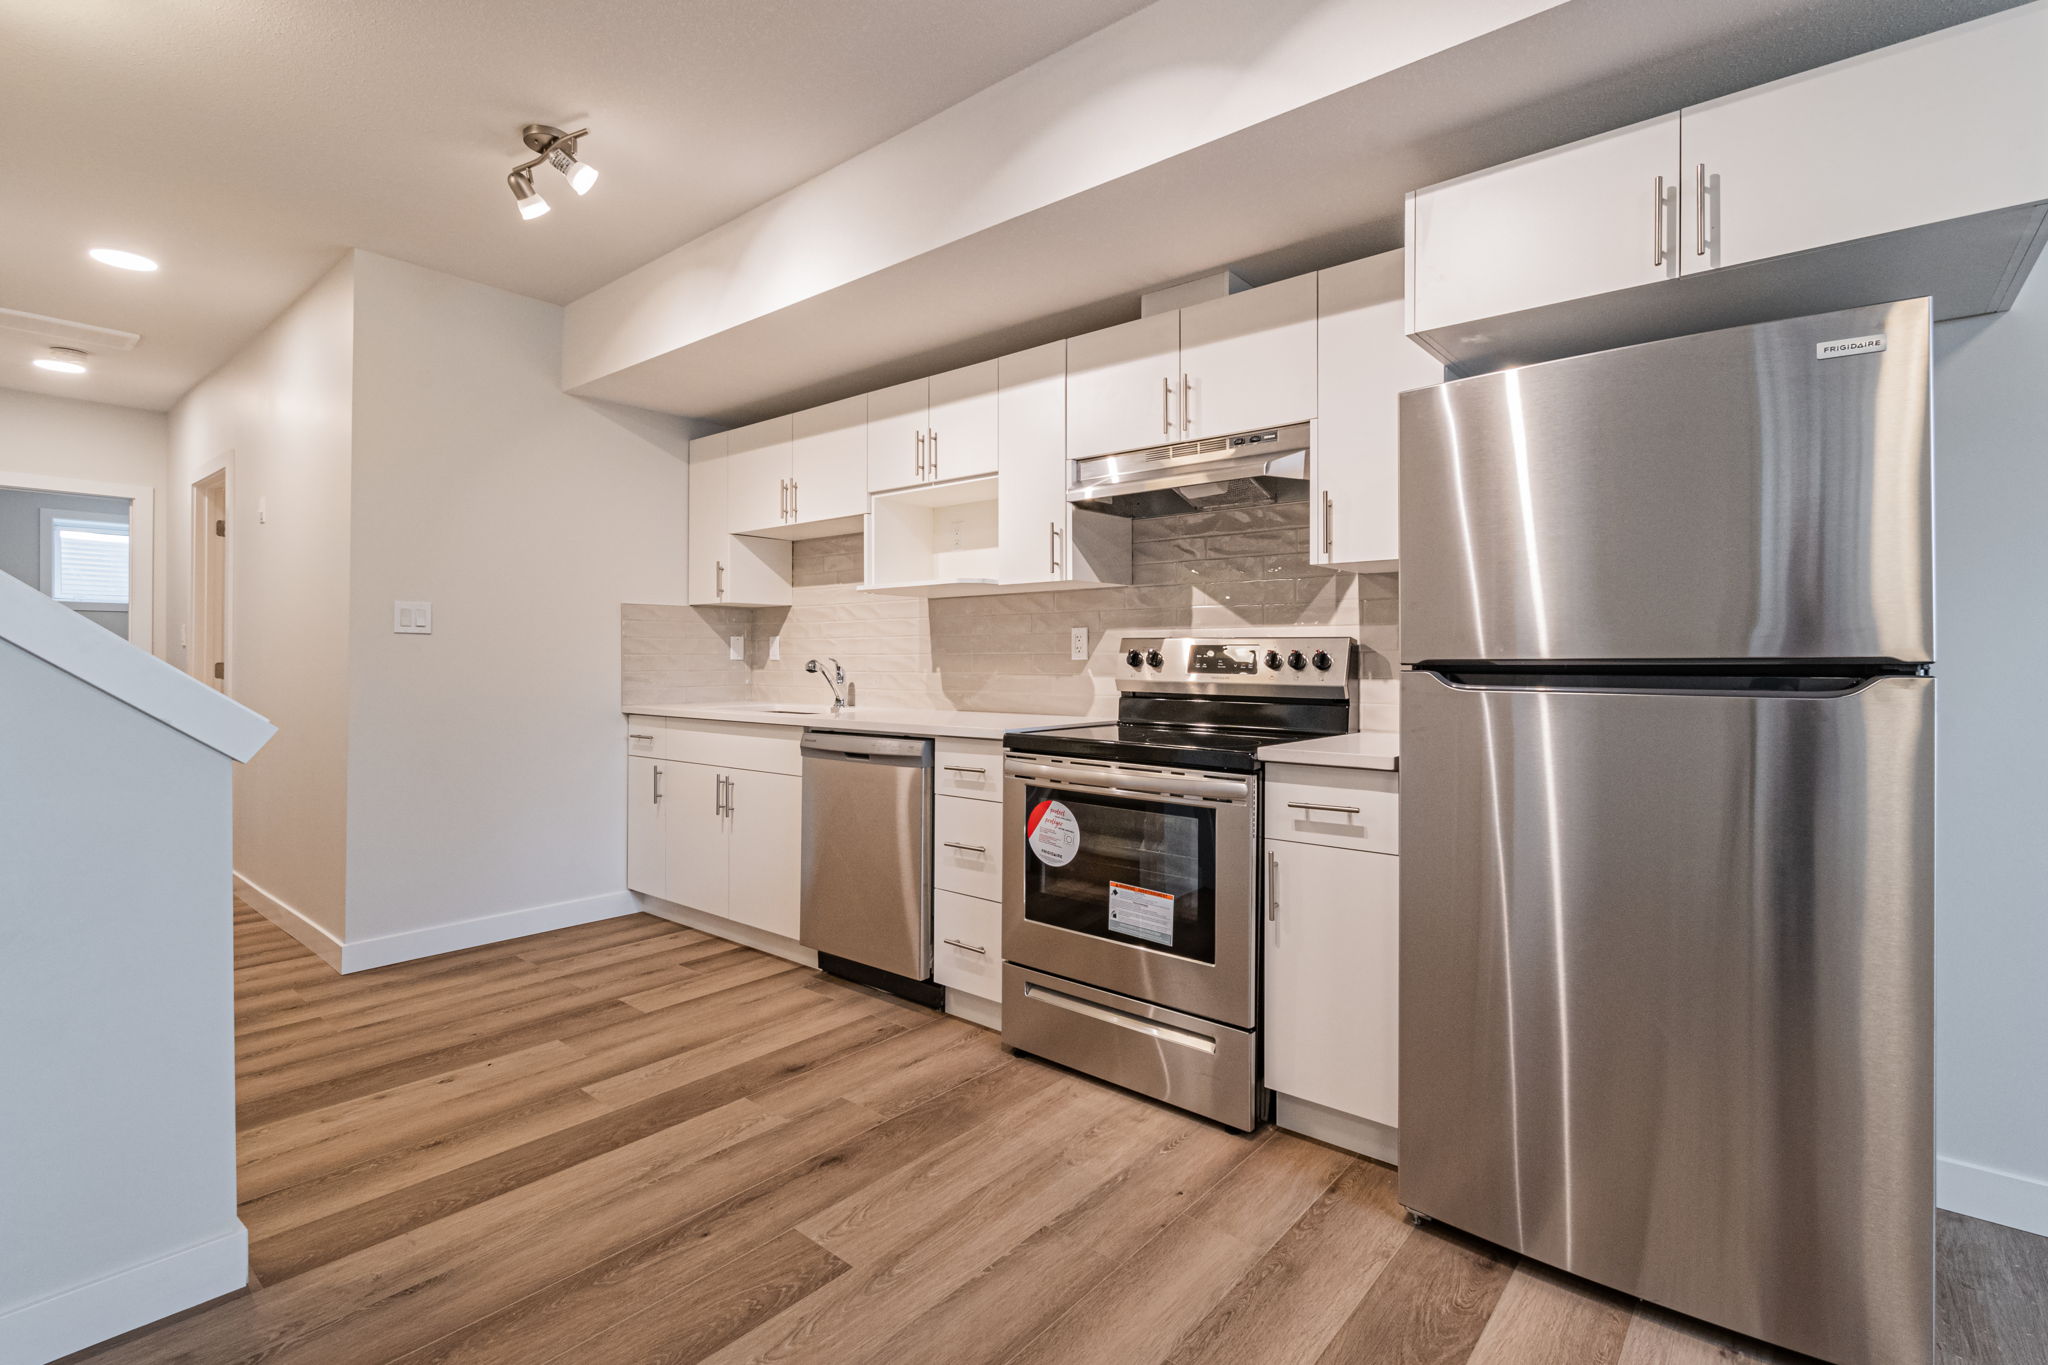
[(279, 414), (67, 438), (1991, 869), (117, 1131), (486, 762)]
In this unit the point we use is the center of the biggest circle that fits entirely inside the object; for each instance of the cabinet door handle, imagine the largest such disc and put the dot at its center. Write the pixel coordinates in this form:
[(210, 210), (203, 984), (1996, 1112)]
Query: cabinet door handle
[(966, 848), (968, 946), (1187, 391), (920, 454), (657, 784), (1166, 405), (1053, 549), (793, 514), (1317, 805), (931, 445), (1699, 205), (1272, 886), (1657, 224), (1329, 526), (732, 789), (721, 579), (979, 772)]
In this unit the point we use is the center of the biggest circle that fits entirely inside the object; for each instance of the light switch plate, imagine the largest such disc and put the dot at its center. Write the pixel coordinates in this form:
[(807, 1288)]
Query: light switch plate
[(774, 648), (1079, 648), (412, 618)]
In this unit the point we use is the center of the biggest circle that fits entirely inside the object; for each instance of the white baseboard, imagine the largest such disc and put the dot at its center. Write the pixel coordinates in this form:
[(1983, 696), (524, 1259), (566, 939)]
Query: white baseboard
[(1339, 1129), (325, 946), (974, 1009), (86, 1314), (721, 927), (361, 954), (2018, 1201)]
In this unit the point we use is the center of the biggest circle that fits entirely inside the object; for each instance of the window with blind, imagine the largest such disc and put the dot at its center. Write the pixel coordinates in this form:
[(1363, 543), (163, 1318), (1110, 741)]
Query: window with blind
[(88, 561)]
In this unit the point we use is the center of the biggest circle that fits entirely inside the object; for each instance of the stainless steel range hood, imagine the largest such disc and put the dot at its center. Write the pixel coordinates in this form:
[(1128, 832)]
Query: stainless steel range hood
[(1251, 468)]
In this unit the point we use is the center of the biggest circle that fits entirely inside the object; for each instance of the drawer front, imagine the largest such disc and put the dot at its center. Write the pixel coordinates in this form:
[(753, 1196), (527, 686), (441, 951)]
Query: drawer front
[(1336, 807), (728, 744), (968, 767), (967, 847), (646, 736), (967, 944)]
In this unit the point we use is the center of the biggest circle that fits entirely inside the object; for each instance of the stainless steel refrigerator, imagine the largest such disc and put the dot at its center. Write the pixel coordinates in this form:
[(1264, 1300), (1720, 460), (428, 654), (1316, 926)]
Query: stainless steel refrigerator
[(1667, 823)]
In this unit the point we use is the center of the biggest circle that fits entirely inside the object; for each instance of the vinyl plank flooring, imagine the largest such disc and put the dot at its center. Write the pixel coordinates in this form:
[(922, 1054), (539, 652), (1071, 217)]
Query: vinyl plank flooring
[(1430, 1305), (1546, 1317), (1993, 1294)]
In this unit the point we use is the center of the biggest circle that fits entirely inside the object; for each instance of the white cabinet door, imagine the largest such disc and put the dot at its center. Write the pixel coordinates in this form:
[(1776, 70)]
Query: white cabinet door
[(967, 944), (766, 824), (1564, 224), (757, 463), (1940, 127), (1122, 387), (693, 821), (962, 439), (1031, 497), (1364, 360), (829, 461), (899, 423), (1249, 360), (1333, 978), (707, 520), (646, 844)]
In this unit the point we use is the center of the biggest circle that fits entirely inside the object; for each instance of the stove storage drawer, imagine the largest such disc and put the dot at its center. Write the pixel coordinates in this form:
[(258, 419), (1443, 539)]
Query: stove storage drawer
[(1337, 807)]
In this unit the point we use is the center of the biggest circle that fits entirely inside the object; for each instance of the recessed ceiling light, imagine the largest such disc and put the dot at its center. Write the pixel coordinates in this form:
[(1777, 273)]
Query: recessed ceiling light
[(62, 359), (121, 260)]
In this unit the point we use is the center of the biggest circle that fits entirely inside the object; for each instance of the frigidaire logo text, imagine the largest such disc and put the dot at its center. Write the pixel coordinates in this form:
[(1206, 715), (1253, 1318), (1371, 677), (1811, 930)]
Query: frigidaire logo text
[(1827, 350)]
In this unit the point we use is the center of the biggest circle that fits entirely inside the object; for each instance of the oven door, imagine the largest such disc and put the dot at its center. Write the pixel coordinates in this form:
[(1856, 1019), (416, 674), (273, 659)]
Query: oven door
[(1140, 880)]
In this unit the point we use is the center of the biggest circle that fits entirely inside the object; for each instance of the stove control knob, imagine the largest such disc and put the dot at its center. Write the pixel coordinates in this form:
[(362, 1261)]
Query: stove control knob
[(1155, 658), (1320, 659), (1295, 659), (1134, 658), (1272, 658)]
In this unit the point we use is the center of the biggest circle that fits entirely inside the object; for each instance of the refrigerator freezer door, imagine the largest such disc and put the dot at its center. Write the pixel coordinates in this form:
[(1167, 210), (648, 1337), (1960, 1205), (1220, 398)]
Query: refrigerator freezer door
[(1666, 997), (1761, 492)]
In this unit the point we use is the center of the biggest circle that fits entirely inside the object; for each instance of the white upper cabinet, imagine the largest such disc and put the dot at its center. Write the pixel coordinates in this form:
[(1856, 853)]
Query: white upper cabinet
[(728, 570), (757, 476), (1940, 127), (1248, 360), (899, 424), (1588, 218), (1031, 505), (961, 442), (829, 461), (1363, 362), (1123, 386)]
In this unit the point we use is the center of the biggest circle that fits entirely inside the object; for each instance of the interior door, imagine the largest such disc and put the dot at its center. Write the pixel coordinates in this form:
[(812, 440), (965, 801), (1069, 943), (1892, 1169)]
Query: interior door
[(1031, 508), (899, 419), (1249, 360), (1123, 387), (1333, 937), (829, 460), (693, 818), (1730, 495), (962, 441), (1569, 223), (766, 822), (646, 842), (708, 525), (1666, 985), (1940, 127), (757, 462)]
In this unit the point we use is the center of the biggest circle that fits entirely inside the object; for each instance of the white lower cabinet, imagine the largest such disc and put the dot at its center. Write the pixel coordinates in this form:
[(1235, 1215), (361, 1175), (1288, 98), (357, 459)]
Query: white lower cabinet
[(646, 849), (1332, 977), (967, 944), (765, 844), (967, 846)]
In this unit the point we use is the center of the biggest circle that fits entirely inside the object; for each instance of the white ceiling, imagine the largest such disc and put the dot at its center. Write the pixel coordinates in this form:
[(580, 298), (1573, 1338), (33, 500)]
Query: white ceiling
[(247, 143)]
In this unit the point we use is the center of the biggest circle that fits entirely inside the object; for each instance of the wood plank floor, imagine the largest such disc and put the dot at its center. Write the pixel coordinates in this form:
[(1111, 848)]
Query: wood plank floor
[(632, 1142)]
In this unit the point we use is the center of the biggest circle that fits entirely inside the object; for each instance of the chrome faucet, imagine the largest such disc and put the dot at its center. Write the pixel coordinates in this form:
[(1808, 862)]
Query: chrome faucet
[(835, 680)]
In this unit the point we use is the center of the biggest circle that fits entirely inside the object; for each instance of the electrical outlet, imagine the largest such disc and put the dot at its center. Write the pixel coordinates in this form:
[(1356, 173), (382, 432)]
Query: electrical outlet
[(774, 648), (1079, 648), (736, 646), (412, 618)]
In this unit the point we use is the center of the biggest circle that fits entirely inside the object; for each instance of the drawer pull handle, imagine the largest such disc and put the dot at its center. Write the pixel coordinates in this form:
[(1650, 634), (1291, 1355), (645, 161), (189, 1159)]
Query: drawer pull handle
[(980, 772), (635, 735), (1316, 805), (966, 848), (968, 946)]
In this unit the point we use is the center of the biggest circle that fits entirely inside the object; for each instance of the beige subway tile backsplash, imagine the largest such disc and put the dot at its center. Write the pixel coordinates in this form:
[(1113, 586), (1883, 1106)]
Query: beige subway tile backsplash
[(1005, 652)]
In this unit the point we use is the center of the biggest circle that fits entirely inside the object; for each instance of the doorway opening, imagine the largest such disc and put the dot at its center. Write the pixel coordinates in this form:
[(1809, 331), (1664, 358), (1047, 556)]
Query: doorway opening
[(86, 544), (209, 659)]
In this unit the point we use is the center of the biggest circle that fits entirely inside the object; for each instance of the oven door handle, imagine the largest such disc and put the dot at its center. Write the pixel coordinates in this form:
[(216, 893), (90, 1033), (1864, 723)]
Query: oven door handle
[(1115, 782)]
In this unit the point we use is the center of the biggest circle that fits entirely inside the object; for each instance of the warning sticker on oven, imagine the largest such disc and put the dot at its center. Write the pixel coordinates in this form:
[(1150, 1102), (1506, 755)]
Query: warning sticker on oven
[(1053, 833), (1140, 913)]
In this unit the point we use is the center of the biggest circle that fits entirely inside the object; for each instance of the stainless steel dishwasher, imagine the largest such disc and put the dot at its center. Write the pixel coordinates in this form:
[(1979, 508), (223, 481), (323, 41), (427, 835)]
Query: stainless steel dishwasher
[(867, 874)]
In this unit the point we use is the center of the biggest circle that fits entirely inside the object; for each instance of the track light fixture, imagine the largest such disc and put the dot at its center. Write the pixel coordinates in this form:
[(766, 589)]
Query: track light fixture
[(557, 149)]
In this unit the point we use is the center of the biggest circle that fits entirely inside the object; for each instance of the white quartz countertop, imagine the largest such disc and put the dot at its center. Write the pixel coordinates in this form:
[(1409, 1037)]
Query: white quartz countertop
[(871, 720), (1361, 749)]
